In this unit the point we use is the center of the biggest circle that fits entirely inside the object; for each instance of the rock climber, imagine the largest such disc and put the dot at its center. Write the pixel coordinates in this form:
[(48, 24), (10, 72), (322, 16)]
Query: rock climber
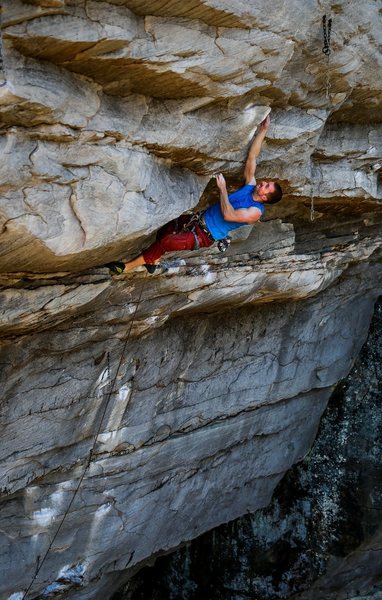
[(201, 230)]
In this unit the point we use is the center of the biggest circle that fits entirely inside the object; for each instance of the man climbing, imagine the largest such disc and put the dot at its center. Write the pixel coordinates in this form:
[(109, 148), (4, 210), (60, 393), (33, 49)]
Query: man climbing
[(191, 232)]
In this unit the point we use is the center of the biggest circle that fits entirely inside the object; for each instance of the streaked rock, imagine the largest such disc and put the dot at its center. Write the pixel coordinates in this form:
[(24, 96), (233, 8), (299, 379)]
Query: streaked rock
[(207, 379)]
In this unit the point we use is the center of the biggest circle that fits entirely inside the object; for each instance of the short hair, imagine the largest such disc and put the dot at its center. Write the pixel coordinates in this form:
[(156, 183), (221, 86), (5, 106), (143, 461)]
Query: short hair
[(276, 195)]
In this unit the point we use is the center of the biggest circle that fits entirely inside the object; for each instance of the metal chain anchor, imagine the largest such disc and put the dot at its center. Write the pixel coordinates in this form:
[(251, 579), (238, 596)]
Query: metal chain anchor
[(327, 31)]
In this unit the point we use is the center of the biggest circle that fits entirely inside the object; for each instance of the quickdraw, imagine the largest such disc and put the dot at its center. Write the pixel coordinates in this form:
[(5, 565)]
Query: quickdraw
[(311, 204)]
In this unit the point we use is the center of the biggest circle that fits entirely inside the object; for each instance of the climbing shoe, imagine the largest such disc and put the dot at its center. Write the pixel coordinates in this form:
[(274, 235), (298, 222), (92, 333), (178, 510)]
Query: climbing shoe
[(115, 268), (151, 268)]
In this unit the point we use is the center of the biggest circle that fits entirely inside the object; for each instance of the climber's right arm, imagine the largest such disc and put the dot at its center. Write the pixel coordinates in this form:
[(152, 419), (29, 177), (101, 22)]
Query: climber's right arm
[(254, 151)]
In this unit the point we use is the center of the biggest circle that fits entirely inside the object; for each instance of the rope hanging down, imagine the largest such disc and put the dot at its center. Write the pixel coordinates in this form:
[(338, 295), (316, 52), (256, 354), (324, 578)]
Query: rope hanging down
[(91, 452), (2, 69), (327, 31)]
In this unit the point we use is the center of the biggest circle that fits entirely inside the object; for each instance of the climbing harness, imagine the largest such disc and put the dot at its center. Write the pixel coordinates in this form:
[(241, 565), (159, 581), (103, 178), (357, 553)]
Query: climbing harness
[(2, 68), (40, 561), (327, 31), (198, 219), (191, 226)]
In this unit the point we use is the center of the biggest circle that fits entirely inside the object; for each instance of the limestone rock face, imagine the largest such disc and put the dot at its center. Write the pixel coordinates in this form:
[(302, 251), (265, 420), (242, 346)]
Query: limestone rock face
[(319, 538), (146, 410)]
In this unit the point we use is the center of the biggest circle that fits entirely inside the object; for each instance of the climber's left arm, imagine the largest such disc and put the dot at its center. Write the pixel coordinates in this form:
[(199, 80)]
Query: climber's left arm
[(239, 215)]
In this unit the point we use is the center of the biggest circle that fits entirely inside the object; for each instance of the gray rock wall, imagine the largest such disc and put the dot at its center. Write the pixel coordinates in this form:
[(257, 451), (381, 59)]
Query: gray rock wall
[(208, 413), (319, 538)]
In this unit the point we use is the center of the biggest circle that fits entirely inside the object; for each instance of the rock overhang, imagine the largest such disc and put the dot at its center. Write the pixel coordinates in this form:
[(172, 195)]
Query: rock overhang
[(111, 126)]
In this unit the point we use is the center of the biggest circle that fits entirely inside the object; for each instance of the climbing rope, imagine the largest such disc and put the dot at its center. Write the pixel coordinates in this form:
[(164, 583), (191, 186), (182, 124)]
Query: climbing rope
[(2, 68), (91, 452), (327, 31)]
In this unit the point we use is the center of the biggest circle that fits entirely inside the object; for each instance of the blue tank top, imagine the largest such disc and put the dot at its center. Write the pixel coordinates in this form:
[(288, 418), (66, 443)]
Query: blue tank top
[(217, 226)]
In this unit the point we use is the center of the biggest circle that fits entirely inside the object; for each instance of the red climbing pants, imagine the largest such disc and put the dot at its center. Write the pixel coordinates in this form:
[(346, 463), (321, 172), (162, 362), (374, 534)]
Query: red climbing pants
[(172, 237)]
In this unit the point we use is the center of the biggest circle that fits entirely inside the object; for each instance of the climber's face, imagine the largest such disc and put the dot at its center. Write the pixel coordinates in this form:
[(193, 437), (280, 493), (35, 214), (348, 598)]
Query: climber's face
[(263, 188)]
